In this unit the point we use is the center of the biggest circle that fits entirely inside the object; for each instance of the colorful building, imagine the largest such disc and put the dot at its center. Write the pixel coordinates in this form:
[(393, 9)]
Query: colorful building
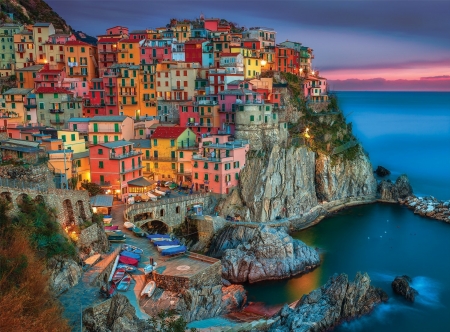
[(7, 54), (94, 101), (129, 51), (48, 77), (166, 142), (287, 60), (26, 76), (117, 166), (217, 165), (108, 52), (24, 49), (155, 50), (54, 49), (104, 129), (81, 60), (15, 110), (193, 50)]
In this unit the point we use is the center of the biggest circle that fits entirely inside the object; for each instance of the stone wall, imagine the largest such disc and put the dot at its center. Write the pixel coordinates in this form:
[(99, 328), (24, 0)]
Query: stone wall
[(100, 272), (71, 206), (171, 283), (171, 211), (211, 276), (93, 239)]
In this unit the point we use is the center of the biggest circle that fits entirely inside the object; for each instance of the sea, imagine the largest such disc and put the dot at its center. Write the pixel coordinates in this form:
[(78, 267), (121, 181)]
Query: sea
[(408, 133)]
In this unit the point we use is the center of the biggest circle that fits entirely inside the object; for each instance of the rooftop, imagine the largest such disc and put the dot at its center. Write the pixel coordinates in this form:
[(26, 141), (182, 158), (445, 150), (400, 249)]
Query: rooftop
[(237, 92), (130, 40), (141, 143), (17, 91), (53, 90), (79, 120), (76, 43), (116, 144), (108, 118), (80, 155), (41, 24), (139, 182), (168, 132), (102, 200)]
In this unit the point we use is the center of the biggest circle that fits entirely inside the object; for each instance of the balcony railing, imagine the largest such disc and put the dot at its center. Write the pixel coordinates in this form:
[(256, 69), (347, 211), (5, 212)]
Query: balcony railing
[(177, 87), (110, 84), (206, 115), (183, 172), (111, 103), (94, 105), (170, 159), (199, 124), (57, 121), (127, 170), (56, 111), (103, 183), (125, 155)]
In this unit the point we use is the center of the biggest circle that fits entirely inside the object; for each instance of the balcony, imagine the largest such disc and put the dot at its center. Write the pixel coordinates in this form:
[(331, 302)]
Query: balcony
[(207, 115), (30, 106), (168, 159), (127, 85), (127, 170), (111, 103), (103, 183), (60, 61), (9, 115), (127, 93), (111, 94), (94, 105), (110, 84), (57, 121), (105, 130), (20, 50), (125, 155), (56, 111), (72, 64), (177, 87), (201, 124), (123, 50), (108, 51), (182, 172)]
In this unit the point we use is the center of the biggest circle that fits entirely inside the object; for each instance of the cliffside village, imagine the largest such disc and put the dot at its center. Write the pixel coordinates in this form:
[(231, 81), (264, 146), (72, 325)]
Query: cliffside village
[(183, 103)]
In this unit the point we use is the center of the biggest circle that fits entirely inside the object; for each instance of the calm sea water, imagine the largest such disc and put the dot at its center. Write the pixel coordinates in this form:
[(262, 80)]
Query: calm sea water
[(407, 133)]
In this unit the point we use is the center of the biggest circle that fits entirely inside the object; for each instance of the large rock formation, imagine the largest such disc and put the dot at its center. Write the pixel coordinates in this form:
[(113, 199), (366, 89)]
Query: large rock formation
[(428, 207), (229, 238), (344, 178), (289, 182), (270, 254), (92, 240), (381, 171), (64, 274), (197, 303), (401, 286), (389, 191), (114, 315), (338, 300)]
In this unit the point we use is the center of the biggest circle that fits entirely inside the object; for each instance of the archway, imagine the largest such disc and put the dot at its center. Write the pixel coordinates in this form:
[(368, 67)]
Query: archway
[(22, 198), (143, 216), (81, 211), (156, 226), (69, 219), (39, 199)]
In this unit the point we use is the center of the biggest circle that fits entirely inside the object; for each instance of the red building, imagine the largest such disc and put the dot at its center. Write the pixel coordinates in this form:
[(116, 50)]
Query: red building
[(111, 97), (201, 116), (117, 167), (287, 60), (153, 51), (94, 102), (252, 44), (138, 34), (193, 50), (107, 52)]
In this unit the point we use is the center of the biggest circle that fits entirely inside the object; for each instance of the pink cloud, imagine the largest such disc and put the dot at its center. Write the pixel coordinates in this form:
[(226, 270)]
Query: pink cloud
[(440, 83)]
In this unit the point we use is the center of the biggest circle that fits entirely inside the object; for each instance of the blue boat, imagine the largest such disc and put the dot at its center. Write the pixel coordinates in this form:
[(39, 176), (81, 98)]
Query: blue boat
[(166, 243), (174, 251), (158, 236), (130, 254)]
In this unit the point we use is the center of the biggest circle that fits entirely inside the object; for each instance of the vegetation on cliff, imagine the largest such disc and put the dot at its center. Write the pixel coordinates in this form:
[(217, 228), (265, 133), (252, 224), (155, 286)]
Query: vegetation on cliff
[(26, 240), (31, 11)]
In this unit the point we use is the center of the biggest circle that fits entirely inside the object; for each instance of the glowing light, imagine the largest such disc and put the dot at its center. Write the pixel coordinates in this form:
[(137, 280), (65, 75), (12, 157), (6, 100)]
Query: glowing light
[(263, 63), (306, 133)]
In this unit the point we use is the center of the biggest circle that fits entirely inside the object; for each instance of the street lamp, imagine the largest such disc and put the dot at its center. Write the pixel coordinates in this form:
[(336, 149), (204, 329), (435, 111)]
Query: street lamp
[(263, 63)]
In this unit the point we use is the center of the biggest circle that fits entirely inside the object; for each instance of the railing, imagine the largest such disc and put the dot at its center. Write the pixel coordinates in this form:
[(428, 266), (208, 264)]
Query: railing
[(56, 111), (111, 103), (125, 155), (127, 170), (94, 105), (201, 124), (177, 87), (112, 94), (56, 121), (41, 186), (199, 157), (102, 183), (106, 130), (111, 84), (161, 158), (180, 172)]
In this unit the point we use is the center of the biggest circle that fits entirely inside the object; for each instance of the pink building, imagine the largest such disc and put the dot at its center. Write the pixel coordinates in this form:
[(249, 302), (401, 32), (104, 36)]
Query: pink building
[(117, 30), (201, 116), (155, 50), (94, 102), (81, 125), (49, 77), (77, 86), (110, 77), (217, 166)]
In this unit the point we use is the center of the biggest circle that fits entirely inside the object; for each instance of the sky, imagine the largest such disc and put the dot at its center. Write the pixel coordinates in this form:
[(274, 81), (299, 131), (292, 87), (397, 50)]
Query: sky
[(358, 44)]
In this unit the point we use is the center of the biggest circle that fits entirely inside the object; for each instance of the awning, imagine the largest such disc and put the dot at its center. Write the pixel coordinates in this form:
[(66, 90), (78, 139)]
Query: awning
[(139, 182), (102, 201)]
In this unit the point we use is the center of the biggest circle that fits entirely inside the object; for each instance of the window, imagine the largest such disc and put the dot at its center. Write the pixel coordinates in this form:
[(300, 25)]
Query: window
[(63, 137), (82, 50), (195, 175), (195, 164), (100, 151), (205, 166), (206, 177), (181, 154), (141, 131), (156, 165), (252, 118), (172, 142), (174, 166), (216, 167), (155, 142), (79, 163), (55, 95), (236, 164), (72, 137), (102, 179), (216, 178), (100, 164), (236, 176)]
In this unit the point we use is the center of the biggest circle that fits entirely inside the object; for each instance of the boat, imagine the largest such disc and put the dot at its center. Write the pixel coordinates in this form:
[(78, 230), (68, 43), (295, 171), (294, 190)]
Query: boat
[(166, 242), (107, 224), (149, 268), (138, 232), (152, 197), (107, 218), (124, 284), (153, 236), (129, 247), (161, 248), (159, 192), (116, 237), (116, 232), (108, 291), (149, 289), (174, 251), (131, 255), (128, 225), (128, 261), (118, 275), (127, 267), (111, 228)]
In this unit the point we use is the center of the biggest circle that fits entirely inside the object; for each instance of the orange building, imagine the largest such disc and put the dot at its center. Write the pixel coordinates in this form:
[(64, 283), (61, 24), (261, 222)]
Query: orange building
[(81, 60), (129, 51)]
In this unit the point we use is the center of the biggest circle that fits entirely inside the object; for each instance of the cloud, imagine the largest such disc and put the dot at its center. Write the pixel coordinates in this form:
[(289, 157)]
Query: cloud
[(380, 84)]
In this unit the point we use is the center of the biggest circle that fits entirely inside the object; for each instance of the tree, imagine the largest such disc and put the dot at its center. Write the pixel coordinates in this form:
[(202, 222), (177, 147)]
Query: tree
[(92, 188), (169, 321)]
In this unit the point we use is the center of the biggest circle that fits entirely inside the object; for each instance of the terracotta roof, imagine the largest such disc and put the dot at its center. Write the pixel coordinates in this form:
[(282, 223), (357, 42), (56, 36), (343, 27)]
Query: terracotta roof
[(229, 54), (52, 90), (129, 40), (76, 42), (168, 132)]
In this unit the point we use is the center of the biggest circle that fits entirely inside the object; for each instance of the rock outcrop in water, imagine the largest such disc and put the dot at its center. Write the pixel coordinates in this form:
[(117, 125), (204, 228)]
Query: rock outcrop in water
[(337, 301), (428, 207), (401, 286), (388, 191), (289, 182), (269, 254), (381, 171)]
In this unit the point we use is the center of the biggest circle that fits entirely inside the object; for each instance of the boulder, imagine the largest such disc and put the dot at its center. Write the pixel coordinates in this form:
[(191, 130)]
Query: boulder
[(337, 301), (381, 171), (270, 254), (389, 191), (401, 286)]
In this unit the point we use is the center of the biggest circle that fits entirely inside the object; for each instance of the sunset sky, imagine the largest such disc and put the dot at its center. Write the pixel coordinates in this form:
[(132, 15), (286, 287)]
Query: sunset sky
[(358, 44)]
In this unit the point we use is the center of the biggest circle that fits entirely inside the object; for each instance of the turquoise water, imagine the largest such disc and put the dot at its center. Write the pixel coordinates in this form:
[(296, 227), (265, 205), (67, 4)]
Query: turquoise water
[(407, 133)]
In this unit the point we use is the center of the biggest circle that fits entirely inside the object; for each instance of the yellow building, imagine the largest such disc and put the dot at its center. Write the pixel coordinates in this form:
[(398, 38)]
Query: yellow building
[(7, 56), (24, 49), (129, 51), (41, 31), (60, 161), (147, 91), (145, 147), (252, 62), (182, 31), (15, 105), (54, 50), (81, 60), (128, 89), (166, 142)]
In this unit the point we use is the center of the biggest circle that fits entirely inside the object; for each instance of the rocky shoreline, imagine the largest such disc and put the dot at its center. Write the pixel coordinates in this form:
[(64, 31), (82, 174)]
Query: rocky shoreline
[(428, 207)]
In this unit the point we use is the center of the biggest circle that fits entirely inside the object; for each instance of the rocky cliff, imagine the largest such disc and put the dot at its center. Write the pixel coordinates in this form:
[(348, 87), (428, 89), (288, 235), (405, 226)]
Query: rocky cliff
[(337, 301), (389, 191), (64, 274), (270, 254), (288, 182)]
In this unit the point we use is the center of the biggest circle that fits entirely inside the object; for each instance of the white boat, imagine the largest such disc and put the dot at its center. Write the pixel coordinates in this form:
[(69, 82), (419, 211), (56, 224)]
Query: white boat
[(149, 268), (152, 197), (149, 289), (167, 247), (158, 239), (159, 192), (107, 219), (128, 225), (130, 248)]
